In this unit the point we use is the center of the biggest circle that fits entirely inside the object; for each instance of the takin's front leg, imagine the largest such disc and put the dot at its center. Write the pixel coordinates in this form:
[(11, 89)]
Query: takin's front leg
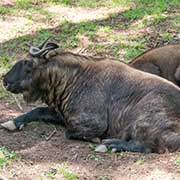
[(45, 114)]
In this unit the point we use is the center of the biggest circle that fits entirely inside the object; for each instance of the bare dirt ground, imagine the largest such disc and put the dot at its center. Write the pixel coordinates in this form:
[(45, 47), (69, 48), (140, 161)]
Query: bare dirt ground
[(37, 156)]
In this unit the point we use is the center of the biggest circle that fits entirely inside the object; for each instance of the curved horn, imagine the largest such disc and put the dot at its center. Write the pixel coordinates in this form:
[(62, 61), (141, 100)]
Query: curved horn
[(36, 52), (42, 44)]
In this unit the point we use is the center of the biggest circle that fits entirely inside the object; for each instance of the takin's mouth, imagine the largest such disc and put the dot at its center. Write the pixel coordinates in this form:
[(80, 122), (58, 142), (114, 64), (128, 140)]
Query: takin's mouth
[(13, 89)]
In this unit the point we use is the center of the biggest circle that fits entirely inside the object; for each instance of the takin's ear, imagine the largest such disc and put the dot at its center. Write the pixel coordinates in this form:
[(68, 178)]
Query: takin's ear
[(51, 54)]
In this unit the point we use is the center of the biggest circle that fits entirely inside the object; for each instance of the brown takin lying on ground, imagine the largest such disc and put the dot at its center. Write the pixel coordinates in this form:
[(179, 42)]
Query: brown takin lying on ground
[(162, 61), (133, 110)]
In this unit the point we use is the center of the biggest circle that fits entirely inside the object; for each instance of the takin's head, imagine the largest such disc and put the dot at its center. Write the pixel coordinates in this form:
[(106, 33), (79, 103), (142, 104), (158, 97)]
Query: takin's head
[(19, 78)]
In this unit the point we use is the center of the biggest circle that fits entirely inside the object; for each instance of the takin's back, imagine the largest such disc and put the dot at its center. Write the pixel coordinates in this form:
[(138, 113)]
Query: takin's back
[(162, 61)]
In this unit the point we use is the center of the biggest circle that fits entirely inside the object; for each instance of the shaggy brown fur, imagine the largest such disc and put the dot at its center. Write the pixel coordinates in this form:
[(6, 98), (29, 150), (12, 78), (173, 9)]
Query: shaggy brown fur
[(162, 61), (104, 99)]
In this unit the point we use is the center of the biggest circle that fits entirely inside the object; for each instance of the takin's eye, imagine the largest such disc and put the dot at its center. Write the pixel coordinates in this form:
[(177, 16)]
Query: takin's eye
[(28, 66)]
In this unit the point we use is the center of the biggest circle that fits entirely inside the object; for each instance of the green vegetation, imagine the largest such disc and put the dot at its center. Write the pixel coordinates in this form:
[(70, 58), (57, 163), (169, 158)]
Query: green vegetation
[(4, 61), (177, 162), (42, 35), (51, 173), (3, 93), (104, 178), (144, 8), (92, 147), (131, 53), (140, 161), (4, 66), (4, 10), (69, 36), (68, 174), (6, 157), (94, 157), (138, 25), (24, 4)]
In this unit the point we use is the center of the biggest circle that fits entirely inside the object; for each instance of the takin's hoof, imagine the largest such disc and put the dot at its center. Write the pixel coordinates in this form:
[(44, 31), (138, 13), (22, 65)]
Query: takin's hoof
[(101, 148), (9, 125)]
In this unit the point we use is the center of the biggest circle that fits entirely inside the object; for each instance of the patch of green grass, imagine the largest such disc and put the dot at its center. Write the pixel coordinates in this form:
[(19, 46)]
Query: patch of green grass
[(68, 174), (158, 19), (24, 4), (140, 161), (6, 156), (3, 162), (3, 93), (51, 173), (4, 10), (10, 46), (94, 157), (42, 35), (146, 7), (106, 29), (4, 66), (159, 3), (104, 178), (177, 162), (166, 36), (92, 3), (92, 147), (69, 36), (4, 63), (115, 49), (131, 53), (155, 20), (88, 3), (134, 14)]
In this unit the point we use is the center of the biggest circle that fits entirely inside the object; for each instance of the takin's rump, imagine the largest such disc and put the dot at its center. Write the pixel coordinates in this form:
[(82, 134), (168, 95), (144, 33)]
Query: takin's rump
[(162, 61), (133, 110)]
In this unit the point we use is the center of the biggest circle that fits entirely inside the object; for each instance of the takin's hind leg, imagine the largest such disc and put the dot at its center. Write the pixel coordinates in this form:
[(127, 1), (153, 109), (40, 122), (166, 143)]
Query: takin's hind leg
[(171, 141), (45, 114), (117, 145)]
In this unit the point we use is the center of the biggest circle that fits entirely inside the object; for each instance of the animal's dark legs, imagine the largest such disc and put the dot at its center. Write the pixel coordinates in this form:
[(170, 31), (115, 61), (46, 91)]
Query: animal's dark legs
[(45, 114), (171, 141), (118, 145)]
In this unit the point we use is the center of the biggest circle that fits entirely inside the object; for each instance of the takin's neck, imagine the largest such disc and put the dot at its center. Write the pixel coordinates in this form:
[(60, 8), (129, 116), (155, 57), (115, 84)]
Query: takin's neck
[(57, 79)]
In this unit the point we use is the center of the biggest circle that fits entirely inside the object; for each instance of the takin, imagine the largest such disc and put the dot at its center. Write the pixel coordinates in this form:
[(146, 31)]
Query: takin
[(162, 61), (128, 109)]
